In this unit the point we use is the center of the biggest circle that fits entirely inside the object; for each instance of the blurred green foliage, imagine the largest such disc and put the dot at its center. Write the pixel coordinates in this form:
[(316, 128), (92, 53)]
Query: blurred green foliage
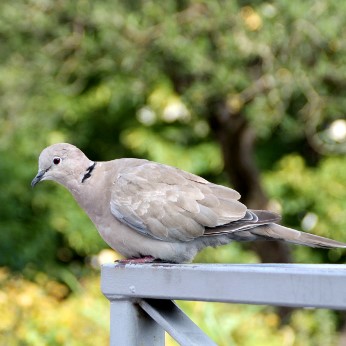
[(136, 79)]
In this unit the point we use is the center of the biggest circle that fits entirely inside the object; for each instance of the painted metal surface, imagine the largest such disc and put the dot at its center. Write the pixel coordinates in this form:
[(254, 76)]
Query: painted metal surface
[(175, 322), (321, 286), (130, 326), (141, 294)]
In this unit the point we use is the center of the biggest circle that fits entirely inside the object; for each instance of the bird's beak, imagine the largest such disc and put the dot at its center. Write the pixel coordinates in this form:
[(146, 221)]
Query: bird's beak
[(38, 178)]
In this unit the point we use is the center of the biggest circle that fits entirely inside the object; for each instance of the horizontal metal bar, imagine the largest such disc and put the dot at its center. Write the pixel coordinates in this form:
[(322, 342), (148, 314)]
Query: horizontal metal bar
[(175, 322), (299, 285)]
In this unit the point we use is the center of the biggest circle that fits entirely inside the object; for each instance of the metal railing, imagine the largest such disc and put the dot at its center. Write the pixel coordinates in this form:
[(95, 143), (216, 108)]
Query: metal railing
[(141, 295)]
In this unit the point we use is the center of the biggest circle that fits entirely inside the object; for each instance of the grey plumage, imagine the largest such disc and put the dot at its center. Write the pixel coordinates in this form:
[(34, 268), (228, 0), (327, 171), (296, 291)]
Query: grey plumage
[(142, 208)]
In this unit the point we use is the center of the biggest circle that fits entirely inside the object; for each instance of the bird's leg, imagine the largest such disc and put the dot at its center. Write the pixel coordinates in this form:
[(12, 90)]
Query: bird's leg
[(145, 259)]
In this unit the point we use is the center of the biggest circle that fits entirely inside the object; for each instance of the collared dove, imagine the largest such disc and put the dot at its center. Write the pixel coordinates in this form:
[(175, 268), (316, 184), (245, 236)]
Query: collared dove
[(146, 210)]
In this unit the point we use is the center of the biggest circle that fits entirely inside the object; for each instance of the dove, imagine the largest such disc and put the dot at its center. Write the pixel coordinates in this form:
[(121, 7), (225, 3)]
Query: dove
[(148, 211)]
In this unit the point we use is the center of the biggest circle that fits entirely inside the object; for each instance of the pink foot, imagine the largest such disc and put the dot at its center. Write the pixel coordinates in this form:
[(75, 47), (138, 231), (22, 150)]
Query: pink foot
[(146, 259)]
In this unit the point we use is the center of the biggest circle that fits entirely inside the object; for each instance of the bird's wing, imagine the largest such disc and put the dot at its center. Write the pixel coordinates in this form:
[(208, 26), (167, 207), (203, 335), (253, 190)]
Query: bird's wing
[(166, 203)]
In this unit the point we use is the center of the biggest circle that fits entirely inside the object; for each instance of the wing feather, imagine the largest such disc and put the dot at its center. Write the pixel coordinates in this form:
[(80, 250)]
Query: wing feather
[(166, 203)]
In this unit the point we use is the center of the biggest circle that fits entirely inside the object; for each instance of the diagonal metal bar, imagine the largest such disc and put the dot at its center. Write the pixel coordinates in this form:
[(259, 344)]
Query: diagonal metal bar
[(174, 321)]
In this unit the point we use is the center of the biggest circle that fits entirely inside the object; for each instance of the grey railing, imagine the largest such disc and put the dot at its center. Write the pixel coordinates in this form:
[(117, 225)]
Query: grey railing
[(141, 295)]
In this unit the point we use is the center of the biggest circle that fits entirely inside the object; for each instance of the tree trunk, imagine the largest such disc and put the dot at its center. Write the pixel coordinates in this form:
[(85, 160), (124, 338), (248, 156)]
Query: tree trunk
[(237, 141)]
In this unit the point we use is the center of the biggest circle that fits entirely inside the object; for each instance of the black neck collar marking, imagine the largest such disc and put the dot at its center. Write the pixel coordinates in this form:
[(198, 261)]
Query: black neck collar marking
[(88, 172)]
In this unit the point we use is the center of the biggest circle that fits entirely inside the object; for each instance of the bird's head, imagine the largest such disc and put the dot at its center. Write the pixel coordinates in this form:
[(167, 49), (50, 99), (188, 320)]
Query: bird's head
[(62, 163)]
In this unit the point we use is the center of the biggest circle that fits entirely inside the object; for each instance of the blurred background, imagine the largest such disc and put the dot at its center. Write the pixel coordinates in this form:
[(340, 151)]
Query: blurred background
[(248, 94)]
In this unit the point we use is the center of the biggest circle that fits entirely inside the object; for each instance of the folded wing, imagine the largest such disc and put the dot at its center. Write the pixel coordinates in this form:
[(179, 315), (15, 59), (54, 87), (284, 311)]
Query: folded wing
[(166, 203)]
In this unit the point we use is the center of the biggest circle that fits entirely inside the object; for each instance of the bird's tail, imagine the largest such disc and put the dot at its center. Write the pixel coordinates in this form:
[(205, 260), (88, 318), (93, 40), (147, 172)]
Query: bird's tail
[(274, 231)]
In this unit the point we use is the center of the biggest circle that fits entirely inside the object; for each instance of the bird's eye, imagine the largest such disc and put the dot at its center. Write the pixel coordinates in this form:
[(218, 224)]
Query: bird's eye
[(56, 160)]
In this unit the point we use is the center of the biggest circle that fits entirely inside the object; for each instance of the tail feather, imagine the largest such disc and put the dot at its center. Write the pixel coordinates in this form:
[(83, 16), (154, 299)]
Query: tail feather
[(277, 232)]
